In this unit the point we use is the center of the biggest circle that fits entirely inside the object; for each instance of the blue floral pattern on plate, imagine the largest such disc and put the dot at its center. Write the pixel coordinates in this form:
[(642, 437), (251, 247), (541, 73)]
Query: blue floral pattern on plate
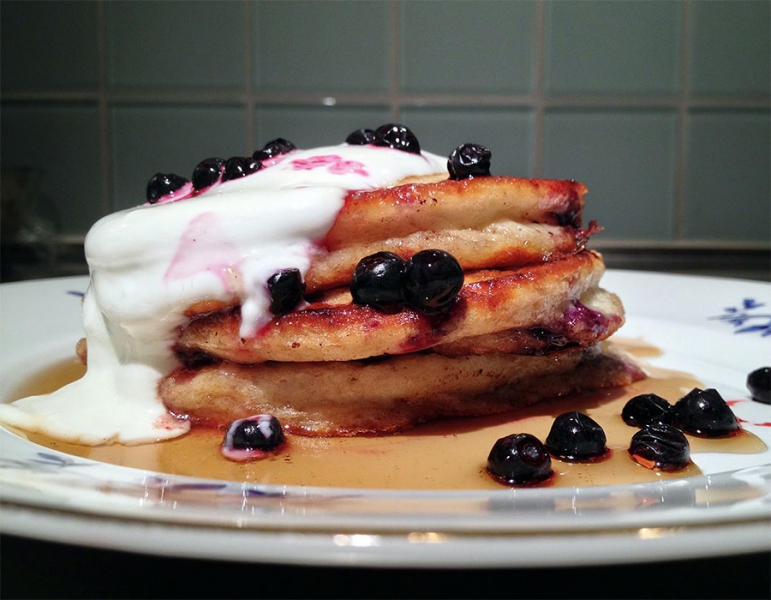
[(745, 319)]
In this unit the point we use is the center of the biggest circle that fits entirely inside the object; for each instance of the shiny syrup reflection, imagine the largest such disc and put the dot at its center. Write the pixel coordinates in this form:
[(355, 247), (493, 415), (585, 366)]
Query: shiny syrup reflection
[(448, 455)]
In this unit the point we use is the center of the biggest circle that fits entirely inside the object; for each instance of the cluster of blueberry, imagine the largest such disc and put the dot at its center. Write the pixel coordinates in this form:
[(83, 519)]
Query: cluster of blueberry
[(521, 458), (428, 282), (699, 412), (660, 443), (390, 135), (216, 170), (467, 160)]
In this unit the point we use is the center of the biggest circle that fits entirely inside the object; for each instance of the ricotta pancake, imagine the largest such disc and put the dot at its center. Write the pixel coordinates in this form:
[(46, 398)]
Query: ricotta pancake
[(353, 289), (390, 394)]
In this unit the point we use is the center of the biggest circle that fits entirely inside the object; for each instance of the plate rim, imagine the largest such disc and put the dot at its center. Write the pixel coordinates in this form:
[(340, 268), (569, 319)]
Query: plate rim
[(626, 532)]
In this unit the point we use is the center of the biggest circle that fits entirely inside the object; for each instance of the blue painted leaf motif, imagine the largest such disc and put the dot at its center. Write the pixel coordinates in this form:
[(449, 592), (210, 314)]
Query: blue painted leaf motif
[(745, 321), (43, 462), (53, 458), (751, 303), (751, 328)]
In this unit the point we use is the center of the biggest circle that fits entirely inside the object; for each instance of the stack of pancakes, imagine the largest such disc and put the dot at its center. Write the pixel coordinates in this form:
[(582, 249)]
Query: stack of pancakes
[(526, 325)]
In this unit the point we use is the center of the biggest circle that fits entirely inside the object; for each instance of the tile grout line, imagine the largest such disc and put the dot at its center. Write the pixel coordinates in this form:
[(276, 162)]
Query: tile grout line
[(394, 57), (214, 98), (249, 97), (679, 105), (681, 136), (105, 133), (538, 99)]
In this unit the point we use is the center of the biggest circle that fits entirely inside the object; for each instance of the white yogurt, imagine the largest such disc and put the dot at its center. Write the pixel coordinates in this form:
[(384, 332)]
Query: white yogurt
[(150, 263)]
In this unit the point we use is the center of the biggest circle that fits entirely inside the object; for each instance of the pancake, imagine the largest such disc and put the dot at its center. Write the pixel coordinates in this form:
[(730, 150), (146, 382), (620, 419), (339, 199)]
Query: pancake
[(231, 293), (546, 296), (386, 395), (448, 204)]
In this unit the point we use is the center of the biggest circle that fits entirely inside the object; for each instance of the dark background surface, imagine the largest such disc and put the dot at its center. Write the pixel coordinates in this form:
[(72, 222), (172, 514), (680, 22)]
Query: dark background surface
[(34, 569)]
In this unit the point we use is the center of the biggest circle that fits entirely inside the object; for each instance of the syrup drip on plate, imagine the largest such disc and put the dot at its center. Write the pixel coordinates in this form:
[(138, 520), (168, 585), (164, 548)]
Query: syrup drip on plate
[(449, 454)]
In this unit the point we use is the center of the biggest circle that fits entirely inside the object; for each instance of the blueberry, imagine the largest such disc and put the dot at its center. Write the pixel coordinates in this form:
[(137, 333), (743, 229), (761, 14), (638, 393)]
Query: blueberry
[(549, 339), (759, 385), (207, 173), (195, 361), (260, 432), (240, 166), (274, 148), (575, 436), (361, 137), (519, 458), (646, 409), (432, 280), (162, 184), (469, 160), (660, 446), (704, 413), (397, 137), (378, 281), (286, 290)]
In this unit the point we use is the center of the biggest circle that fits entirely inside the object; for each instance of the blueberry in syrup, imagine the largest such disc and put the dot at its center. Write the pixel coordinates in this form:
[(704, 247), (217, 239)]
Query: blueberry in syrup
[(260, 432), (469, 160), (519, 458), (286, 289), (207, 173), (759, 385), (575, 436), (660, 446), (646, 409), (240, 166), (397, 137), (162, 184), (432, 280), (704, 413), (274, 148), (361, 137), (378, 281)]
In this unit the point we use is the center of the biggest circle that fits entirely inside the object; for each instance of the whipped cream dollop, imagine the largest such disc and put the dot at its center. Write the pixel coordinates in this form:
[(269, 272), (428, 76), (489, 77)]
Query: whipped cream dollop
[(149, 264)]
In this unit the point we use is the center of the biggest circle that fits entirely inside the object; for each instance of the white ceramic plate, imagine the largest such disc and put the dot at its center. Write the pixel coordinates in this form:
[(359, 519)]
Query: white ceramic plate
[(716, 329)]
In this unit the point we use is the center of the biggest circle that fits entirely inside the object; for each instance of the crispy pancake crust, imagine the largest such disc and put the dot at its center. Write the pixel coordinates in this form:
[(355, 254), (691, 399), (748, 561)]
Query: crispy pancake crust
[(497, 245), (490, 301), (368, 215), (386, 395)]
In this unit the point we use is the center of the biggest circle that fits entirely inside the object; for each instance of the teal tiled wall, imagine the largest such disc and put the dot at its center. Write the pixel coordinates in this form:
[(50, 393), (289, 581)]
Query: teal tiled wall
[(467, 48), (661, 107), (59, 141), (627, 157), (166, 45), (176, 133), (309, 126), (323, 47)]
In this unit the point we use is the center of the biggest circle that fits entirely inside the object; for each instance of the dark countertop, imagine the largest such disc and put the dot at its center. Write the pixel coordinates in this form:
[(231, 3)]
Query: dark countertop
[(35, 569)]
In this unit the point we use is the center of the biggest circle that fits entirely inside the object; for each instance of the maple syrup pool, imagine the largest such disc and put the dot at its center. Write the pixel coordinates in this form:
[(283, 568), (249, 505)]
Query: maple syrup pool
[(446, 455)]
